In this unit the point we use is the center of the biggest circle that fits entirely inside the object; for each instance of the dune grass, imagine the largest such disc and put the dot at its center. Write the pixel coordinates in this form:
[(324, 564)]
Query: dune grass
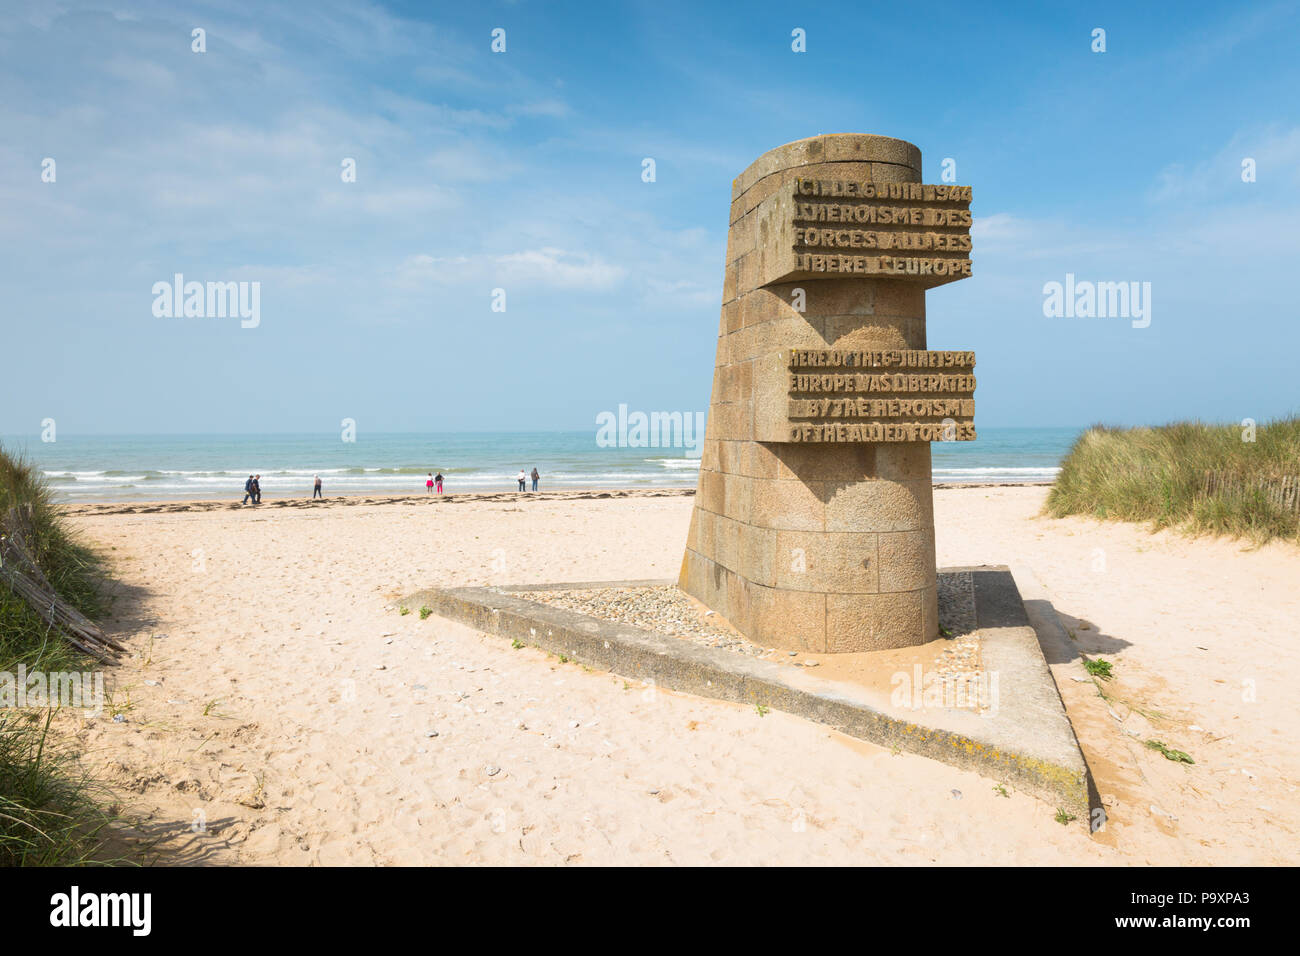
[(73, 569), (1198, 478), (49, 814)]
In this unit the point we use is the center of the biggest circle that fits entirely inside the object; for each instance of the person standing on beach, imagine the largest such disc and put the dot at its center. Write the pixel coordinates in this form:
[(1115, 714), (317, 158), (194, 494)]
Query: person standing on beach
[(248, 489), (429, 484), (521, 477), (257, 489), (316, 492), (536, 477), (438, 480)]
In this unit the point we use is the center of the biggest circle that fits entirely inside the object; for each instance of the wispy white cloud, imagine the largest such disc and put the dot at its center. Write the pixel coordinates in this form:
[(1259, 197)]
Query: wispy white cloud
[(467, 161), (1275, 152), (557, 268), (552, 107), (140, 73)]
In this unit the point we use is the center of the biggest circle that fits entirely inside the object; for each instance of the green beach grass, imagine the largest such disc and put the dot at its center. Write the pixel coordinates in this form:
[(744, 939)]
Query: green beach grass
[(1197, 478), (48, 811)]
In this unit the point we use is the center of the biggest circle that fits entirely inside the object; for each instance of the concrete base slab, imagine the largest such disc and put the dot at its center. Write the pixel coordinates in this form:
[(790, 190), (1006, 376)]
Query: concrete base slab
[(1021, 736)]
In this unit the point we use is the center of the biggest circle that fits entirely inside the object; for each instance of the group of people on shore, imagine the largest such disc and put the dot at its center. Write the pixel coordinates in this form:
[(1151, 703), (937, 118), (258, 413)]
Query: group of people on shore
[(253, 486), (434, 482), (253, 489)]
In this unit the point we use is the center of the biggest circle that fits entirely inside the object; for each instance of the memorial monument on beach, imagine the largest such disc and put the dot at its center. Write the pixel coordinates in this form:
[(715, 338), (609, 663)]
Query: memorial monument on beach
[(813, 526)]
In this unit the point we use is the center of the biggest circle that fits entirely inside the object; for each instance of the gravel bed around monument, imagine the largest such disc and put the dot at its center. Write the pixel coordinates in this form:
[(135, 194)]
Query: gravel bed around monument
[(960, 657), (666, 609)]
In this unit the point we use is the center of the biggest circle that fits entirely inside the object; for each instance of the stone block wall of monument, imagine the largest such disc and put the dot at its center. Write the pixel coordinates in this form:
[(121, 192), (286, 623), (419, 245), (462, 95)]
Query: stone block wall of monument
[(807, 534)]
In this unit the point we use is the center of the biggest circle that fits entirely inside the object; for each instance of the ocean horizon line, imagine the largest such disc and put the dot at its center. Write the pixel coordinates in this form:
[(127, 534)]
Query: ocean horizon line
[(333, 433)]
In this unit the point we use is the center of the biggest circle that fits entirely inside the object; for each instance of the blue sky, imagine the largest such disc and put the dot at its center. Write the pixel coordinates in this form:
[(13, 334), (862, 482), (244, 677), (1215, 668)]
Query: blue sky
[(522, 171)]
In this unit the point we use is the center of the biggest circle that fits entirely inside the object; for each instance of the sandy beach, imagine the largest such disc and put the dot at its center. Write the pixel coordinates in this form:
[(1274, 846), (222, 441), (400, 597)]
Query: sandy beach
[(279, 709)]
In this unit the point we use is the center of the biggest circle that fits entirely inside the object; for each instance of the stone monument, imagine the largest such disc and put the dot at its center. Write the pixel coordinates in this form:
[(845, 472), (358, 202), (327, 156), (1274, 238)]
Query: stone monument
[(813, 526)]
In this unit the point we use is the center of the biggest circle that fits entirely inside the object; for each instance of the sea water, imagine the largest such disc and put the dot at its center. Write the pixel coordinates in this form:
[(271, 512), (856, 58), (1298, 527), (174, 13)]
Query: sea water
[(148, 467)]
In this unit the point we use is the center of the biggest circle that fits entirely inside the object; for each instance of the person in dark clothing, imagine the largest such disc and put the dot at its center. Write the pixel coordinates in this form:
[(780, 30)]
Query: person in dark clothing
[(316, 492), (438, 481), (536, 478), (248, 489), (257, 489)]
